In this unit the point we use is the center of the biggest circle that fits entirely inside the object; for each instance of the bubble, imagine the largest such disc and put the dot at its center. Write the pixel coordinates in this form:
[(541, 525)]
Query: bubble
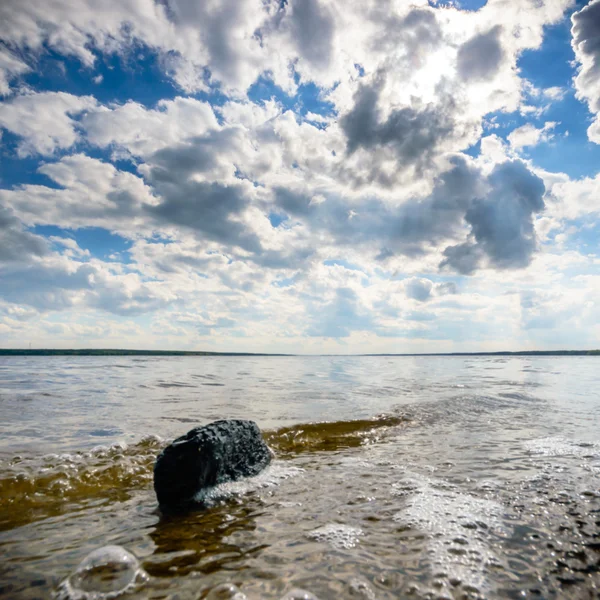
[(226, 591), (298, 594), (339, 536), (103, 574), (361, 589)]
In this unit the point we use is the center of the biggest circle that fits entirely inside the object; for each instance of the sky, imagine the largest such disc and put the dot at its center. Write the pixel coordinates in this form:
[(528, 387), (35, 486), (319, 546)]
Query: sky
[(300, 176)]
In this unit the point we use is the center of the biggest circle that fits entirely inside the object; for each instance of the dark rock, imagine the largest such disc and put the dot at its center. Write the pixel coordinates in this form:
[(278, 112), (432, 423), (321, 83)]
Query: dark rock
[(206, 456)]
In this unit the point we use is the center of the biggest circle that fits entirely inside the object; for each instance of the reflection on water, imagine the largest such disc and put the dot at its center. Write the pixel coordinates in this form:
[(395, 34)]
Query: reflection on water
[(432, 477)]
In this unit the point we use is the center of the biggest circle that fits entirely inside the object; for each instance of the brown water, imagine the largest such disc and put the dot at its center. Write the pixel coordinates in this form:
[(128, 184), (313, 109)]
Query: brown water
[(407, 477)]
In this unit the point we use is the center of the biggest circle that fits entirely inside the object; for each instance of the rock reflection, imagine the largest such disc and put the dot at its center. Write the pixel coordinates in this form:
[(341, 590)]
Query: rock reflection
[(206, 541)]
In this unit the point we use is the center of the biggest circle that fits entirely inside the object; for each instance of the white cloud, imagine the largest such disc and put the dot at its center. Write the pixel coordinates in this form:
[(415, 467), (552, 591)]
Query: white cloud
[(572, 199), (10, 66), (529, 135), (45, 122), (91, 194), (366, 202), (140, 131), (585, 32)]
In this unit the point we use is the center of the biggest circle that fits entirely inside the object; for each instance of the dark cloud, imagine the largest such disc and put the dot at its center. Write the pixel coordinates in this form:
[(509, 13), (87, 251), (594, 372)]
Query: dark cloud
[(481, 56), (17, 244), (290, 258), (501, 222), (203, 207), (418, 289), (408, 229), (312, 29), (415, 34), (498, 208), (464, 258), (206, 208), (112, 298), (412, 133), (384, 254), (586, 40), (199, 154), (445, 289)]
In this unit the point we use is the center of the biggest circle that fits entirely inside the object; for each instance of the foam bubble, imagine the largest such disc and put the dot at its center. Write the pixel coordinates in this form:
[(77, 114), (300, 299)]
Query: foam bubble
[(341, 537), (458, 525), (298, 594), (272, 476), (103, 574), (226, 591), (559, 446), (361, 589)]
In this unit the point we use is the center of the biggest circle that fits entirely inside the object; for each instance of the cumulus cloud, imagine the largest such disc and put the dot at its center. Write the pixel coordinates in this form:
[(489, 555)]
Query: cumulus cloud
[(529, 135), (501, 223), (573, 199), (44, 122), (312, 27), (219, 35), (17, 244), (87, 193), (586, 44), (413, 134), (140, 131), (50, 281), (209, 209), (418, 288), (323, 214)]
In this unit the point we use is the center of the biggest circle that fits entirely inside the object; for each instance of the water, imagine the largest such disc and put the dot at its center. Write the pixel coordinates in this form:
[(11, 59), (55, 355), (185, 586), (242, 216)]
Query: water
[(402, 477)]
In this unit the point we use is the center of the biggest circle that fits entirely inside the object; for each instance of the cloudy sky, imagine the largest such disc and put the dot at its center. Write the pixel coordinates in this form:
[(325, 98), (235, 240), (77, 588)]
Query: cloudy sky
[(300, 175)]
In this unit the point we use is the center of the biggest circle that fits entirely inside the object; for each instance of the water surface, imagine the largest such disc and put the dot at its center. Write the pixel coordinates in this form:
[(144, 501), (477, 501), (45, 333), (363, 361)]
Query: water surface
[(418, 477)]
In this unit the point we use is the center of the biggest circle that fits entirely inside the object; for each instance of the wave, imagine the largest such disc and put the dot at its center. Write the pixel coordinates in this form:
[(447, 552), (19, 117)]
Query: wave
[(37, 487), (328, 436)]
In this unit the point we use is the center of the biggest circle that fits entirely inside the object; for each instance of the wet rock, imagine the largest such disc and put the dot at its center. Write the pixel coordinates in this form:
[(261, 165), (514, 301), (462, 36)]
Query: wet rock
[(206, 456)]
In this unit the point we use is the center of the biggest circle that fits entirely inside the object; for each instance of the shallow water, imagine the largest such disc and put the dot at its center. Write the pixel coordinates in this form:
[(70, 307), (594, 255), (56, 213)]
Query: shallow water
[(417, 477)]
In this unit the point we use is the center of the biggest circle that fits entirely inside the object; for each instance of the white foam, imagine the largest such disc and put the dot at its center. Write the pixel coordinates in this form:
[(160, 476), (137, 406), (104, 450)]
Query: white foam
[(105, 573), (298, 594), (272, 476), (458, 527), (226, 591), (559, 446), (341, 537)]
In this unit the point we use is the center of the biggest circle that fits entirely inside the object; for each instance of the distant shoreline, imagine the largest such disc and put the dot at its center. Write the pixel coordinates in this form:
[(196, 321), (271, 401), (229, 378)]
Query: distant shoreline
[(118, 352)]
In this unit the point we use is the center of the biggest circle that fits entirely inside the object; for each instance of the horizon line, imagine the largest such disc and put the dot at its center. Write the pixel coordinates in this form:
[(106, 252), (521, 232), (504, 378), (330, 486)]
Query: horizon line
[(138, 352)]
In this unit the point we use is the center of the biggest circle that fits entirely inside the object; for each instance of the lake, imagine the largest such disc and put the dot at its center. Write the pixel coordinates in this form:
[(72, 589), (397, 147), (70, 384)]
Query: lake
[(394, 477)]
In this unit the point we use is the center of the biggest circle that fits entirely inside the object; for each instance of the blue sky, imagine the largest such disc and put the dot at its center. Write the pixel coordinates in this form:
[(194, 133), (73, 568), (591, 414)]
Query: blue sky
[(312, 176)]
